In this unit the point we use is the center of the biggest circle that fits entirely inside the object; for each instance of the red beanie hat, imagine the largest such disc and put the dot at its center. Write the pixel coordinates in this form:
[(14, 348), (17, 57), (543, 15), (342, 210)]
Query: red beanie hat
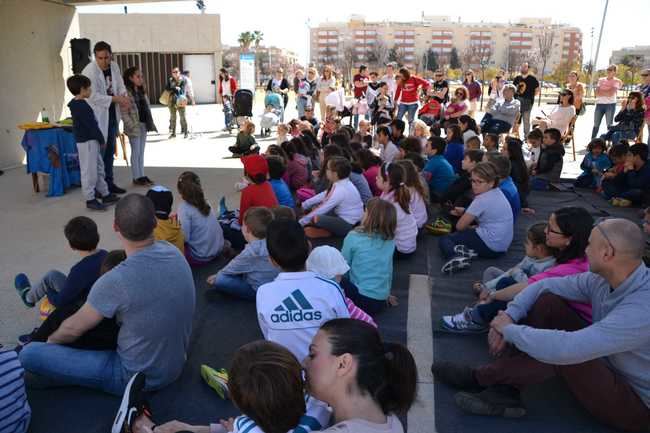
[(254, 165)]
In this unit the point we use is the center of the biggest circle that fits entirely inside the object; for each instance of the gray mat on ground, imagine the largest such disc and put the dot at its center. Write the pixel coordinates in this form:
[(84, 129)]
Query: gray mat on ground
[(551, 408), (221, 325)]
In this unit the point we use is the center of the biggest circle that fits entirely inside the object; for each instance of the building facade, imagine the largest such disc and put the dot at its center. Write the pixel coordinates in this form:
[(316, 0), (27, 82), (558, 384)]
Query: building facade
[(268, 59), (156, 43), (639, 54), (498, 45)]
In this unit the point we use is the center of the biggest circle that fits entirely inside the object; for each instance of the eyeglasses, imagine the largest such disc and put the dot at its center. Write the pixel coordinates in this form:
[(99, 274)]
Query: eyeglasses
[(548, 229), (609, 242)]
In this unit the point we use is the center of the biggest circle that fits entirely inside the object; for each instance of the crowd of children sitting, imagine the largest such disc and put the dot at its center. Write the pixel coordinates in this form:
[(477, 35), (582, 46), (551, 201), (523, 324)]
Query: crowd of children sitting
[(376, 192)]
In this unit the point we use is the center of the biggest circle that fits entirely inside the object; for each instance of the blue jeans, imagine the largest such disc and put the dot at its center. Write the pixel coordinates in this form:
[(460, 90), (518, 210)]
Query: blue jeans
[(616, 136), (611, 190), (64, 366), (484, 313), (234, 285), (301, 104), (601, 110), (409, 110), (470, 239), (356, 119), (109, 152)]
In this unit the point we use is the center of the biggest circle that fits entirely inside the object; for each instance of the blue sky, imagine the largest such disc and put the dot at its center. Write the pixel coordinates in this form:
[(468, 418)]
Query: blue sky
[(285, 22)]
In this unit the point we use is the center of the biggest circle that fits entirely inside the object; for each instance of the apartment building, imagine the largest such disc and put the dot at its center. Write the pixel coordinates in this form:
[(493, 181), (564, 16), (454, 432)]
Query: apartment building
[(269, 59), (639, 54), (503, 45)]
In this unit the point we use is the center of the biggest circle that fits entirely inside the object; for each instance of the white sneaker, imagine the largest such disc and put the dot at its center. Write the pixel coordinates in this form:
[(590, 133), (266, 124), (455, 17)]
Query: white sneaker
[(463, 251), (131, 399), (455, 264), (462, 323)]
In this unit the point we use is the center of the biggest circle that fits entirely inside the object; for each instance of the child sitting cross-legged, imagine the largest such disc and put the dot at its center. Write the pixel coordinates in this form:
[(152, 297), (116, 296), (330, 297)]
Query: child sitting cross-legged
[(265, 383), (485, 228), (245, 142), (167, 228), (539, 257), (101, 337), (277, 168), (595, 163), (369, 251), (291, 308), (438, 172), (61, 290), (328, 262), (391, 180), (203, 234), (336, 210), (251, 268)]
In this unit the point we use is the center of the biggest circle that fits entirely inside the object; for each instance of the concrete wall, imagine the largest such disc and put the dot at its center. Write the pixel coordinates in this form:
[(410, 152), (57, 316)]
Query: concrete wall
[(35, 53), (184, 33)]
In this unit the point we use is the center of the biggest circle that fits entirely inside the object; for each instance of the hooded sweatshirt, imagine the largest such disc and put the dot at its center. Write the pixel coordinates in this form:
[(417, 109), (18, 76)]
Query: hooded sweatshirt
[(170, 231)]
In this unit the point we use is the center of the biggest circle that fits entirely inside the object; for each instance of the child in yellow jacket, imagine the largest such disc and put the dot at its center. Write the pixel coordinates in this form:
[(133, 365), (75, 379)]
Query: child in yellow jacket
[(168, 228)]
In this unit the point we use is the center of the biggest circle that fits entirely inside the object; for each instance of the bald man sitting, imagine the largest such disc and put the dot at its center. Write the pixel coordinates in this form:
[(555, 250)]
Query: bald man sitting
[(606, 365)]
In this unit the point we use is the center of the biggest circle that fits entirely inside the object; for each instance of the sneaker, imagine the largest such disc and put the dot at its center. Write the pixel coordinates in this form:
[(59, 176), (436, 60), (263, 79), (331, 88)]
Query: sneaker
[(456, 264), (456, 375), (623, 202), (111, 198), (25, 338), (139, 182), (148, 181), (462, 323), (439, 227), (172, 135), (95, 205), (23, 286), (132, 401), (463, 251), (500, 400), (185, 135), (216, 379), (114, 189), (222, 207)]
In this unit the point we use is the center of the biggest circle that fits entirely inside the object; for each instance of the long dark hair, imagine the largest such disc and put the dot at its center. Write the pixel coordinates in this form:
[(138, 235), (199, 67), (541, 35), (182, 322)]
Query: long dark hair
[(576, 223), (395, 175), (385, 371), (516, 157), (470, 122), (126, 76), (189, 186)]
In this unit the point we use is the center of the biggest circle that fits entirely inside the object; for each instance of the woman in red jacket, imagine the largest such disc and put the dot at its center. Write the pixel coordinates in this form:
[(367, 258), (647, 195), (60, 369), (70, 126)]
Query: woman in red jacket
[(227, 88), (407, 94)]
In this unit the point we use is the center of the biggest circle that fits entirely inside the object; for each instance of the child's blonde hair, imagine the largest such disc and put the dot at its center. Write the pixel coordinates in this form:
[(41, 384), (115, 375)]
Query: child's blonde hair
[(248, 127), (420, 125), (380, 219), (283, 126)]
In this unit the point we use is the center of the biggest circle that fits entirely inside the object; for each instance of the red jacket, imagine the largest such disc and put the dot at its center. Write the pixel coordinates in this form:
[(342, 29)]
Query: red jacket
[(256, 195), (431, 108), (233, 86), (408, 90)]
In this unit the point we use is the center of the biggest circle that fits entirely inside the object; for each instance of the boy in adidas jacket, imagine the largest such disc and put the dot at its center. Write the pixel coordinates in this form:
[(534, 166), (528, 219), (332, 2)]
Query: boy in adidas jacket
[(292, 308)]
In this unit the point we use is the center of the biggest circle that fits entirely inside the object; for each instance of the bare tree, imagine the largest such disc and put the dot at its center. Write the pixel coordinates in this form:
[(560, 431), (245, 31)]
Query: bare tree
[(378, 54), (396, 54), (545, 46), (480, 55), (347, 60), (515, 58)]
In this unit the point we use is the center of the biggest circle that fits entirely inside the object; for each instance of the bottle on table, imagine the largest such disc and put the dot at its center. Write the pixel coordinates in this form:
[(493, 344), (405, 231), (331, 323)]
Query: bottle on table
[(44, 116)]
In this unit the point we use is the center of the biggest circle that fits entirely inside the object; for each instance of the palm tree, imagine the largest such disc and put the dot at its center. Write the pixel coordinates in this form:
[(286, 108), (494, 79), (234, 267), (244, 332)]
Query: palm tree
[(245, 39)]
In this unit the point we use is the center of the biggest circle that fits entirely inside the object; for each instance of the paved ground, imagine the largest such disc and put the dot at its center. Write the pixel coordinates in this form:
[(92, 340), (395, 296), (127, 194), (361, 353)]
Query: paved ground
[(32, 232)]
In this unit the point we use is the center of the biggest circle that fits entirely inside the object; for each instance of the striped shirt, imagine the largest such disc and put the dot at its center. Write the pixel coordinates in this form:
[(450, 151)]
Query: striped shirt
[(14, 408), (316, 418)]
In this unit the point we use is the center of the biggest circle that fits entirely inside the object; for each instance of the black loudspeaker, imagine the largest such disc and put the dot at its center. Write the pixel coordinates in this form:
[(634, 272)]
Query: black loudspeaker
[(80, 54)]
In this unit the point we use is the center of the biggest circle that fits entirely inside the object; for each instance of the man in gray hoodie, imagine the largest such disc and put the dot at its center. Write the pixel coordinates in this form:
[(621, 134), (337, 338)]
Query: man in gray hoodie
[(606, 364)]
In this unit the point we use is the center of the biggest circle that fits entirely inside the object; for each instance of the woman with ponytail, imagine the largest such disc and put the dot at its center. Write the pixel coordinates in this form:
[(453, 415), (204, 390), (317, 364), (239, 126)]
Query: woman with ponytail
[(366, 381), (203, 234), (391, 180)]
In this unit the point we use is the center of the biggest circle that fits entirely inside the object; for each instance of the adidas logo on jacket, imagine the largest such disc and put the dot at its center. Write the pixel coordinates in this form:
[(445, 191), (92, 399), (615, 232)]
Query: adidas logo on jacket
[(291, 308)]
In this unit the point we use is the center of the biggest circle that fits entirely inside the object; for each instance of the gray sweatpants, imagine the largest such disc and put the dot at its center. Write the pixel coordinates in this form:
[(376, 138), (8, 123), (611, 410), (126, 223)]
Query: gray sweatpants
[(137, 152), (91, 166), (53, 280)]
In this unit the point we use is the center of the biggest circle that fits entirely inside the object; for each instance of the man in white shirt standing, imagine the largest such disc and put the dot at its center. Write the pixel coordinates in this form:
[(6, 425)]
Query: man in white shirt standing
[(389, 78), (606, 91), (292, 308)]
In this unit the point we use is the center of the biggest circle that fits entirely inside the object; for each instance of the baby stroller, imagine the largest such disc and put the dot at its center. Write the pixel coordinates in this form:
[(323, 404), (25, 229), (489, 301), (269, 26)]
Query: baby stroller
[(243, 106), (270, 118)]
